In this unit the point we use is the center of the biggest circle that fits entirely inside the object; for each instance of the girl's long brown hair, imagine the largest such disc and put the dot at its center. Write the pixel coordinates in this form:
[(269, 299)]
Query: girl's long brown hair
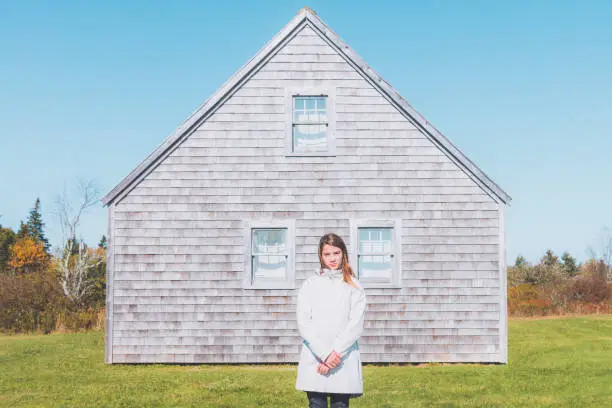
[(334, 240)]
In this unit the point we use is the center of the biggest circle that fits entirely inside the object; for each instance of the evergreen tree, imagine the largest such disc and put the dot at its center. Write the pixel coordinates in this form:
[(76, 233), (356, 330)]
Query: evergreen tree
[(97, 275), (103, 242), (520, 261), (23, 231), (34, 226), (570, 268), (547, 271), (549, 259), (7, 238)]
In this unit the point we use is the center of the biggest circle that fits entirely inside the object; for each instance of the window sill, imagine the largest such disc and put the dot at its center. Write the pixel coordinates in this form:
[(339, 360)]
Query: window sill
[(310, 154), (270, 285), (373, 285)]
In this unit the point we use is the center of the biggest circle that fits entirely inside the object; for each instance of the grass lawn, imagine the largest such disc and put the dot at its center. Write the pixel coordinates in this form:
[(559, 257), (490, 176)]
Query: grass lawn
[(560, 362)]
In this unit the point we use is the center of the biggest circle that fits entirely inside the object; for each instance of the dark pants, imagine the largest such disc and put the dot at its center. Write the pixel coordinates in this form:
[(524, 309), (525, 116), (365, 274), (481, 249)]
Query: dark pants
[(319, 400)]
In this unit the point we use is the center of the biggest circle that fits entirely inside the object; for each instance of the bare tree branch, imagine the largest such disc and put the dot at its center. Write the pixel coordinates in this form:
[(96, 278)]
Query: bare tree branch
[(604, 250), (75, 269)]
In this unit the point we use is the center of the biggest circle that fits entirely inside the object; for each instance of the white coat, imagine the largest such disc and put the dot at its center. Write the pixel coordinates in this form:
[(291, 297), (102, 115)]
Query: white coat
[(330, 315)]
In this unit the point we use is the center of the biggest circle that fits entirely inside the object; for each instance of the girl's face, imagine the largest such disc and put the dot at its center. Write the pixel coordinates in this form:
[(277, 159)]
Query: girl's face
[(332, 256)]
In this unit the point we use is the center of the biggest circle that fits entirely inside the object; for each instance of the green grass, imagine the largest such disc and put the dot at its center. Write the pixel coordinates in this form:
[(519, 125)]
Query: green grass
[(565, 362)]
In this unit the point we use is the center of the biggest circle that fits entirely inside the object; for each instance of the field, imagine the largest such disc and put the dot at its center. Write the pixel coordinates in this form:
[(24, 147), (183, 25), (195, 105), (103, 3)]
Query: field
[(555, 362)]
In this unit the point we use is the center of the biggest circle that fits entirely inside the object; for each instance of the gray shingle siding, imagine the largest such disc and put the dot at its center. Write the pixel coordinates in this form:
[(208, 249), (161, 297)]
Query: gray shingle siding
[(177, 240)]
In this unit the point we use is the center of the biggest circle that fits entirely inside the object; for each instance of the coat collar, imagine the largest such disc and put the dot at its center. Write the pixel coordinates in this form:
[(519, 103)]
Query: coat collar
[(330, 273)]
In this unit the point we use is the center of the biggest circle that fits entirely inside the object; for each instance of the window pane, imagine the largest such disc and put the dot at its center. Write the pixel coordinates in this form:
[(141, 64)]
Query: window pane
[(299, 103), (387, 234), (309, 109), (321, 103), (299, 110), (299, 115), (375, 267), (309, 137), (375, 240), (270, 266), (310, 104), (319, 117), (269, 241)]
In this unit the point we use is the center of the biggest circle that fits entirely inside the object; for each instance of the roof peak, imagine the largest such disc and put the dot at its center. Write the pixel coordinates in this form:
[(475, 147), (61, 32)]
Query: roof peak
[(308, 9)]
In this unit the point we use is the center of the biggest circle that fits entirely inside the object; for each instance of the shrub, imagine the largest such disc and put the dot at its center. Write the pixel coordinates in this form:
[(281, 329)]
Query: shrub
[(595, 268), (81, 320), (528, 300), (30, 302), (588, 289), (36, 302)]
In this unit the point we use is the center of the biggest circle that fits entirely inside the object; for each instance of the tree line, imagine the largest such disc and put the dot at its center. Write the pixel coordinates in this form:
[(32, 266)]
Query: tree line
[(561, 285), (64, 289), (47, 290)]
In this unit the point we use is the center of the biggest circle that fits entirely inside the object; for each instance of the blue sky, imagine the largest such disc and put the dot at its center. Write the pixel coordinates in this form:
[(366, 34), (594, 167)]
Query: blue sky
[(523, 88)]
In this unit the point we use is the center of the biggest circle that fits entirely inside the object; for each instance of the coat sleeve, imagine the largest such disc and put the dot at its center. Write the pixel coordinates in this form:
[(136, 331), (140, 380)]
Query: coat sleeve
[(353, 330), (306, 326)]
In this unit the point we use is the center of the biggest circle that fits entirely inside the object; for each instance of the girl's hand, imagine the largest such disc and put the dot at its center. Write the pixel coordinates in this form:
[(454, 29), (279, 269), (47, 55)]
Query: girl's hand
[(333, 359), (323, 369)]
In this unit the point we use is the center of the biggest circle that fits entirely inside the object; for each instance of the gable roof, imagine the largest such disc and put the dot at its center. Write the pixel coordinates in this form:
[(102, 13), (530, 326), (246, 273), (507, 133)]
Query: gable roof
[(304, 17)]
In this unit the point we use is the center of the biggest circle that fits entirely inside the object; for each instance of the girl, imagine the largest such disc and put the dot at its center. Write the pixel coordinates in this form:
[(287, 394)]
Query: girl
[(330, 314)]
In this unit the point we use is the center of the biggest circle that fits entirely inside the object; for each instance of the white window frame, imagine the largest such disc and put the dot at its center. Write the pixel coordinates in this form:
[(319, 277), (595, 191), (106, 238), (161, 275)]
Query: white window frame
[(330, 107), (289, 282), (396, 237)]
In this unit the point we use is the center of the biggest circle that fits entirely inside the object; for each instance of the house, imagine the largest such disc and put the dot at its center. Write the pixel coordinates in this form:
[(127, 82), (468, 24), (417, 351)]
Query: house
[(211, 236)]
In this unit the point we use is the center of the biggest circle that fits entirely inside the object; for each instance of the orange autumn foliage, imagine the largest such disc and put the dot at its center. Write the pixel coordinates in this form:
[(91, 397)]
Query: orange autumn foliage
[(27, 255)]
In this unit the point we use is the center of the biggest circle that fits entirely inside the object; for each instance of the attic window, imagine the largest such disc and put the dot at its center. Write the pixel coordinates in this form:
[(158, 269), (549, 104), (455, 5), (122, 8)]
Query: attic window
[(310, 124)]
